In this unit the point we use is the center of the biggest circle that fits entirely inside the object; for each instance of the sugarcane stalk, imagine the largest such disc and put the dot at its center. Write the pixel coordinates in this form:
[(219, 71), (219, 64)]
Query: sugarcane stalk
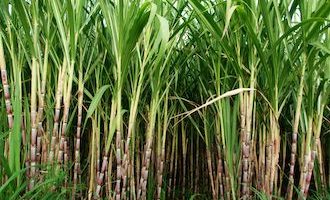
[(65, 116), (171, 171), (5, 85), (33, 147), (228, 182), (162, 154), (295, 132), (184, 155), (176, 152), (309, 173), (249, 125), (269, 152), (219, 178), (24, 143), (283, 165), (97, 151), (197, 166), (317, 132), (308, 156), (93, 159), (138, 161), (66, 160), (262, 157), (105, 160), (321, 163), (220, 172), (44, 153), (245, 146), (107, 176), (145, 170), (192, 167), (254, 163), (58, 100), (142, 191), (210, 171), (78, 134), (118, 148), (276, 148), (41, 102), (132, 180), (131, 125)]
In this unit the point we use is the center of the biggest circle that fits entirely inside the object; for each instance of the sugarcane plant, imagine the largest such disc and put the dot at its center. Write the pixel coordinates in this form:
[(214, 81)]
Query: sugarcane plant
[(176, 99)]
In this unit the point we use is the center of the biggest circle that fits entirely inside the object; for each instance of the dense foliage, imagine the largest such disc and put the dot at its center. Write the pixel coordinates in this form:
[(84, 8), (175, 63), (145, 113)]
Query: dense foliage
[(164, 99)]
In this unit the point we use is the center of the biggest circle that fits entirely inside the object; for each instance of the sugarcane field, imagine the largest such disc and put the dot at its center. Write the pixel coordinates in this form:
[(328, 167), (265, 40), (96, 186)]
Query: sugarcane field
[(165, 99)]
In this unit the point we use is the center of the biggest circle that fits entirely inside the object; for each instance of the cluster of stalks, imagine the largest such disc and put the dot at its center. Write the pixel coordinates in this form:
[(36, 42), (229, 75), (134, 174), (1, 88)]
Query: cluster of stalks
[(176, 99)]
